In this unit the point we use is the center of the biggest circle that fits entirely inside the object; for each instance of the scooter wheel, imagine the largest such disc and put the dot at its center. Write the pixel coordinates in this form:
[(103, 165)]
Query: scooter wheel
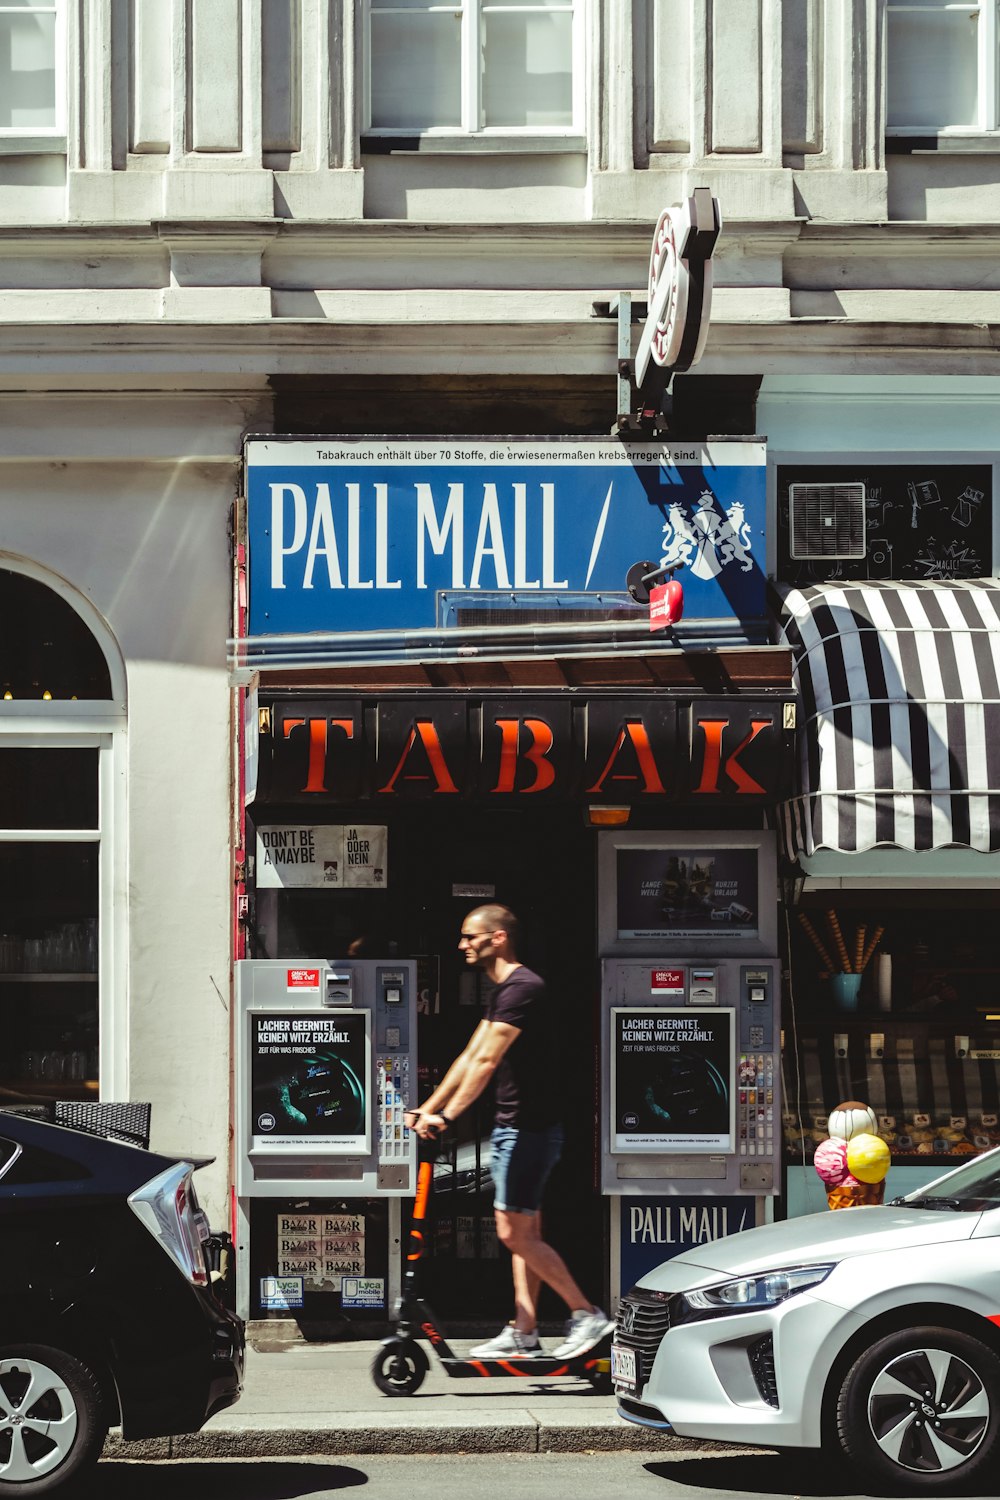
[(399, 1367)]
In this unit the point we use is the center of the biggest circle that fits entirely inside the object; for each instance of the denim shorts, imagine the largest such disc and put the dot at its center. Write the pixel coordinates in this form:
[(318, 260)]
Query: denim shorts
[(520, 1166)]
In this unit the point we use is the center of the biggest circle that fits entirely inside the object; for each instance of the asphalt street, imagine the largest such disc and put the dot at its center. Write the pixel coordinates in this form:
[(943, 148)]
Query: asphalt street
[(519, 1476)]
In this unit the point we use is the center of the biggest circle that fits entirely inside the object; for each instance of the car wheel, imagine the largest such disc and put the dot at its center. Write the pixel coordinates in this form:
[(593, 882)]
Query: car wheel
[(52, 1422), (922, 1408), (399, 1367)]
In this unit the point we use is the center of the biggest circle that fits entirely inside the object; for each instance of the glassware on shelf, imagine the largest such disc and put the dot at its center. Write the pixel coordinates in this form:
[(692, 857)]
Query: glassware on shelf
[(90, 945), (11, 953), (53, 1066)]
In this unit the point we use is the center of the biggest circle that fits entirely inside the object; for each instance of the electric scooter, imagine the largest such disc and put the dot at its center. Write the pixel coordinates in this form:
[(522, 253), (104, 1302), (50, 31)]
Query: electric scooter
[(400, 1363)]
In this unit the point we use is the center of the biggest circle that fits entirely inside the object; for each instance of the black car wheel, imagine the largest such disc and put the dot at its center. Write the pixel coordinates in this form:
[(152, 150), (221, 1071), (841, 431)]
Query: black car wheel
[(52, 1423), (399, 1367), (922, 1408)]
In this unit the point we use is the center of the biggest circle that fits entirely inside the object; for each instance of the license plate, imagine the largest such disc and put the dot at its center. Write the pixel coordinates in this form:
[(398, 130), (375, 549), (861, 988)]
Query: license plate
[(623, 1372)]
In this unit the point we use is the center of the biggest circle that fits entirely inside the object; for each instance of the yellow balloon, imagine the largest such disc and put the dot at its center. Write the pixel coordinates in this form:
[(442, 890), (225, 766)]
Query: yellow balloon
[(867, 1158)]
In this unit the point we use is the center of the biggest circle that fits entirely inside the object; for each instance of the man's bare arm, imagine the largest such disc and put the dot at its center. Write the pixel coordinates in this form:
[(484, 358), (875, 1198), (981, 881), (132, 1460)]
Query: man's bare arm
[(452, 1080), (489, 1043)]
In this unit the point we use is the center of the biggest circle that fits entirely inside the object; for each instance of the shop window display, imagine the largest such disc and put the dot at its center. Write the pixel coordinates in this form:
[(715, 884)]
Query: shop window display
[(911, 1025)]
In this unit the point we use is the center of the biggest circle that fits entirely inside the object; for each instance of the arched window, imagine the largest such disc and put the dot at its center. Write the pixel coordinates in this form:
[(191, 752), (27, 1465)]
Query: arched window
[(46, 649), (62, 714)]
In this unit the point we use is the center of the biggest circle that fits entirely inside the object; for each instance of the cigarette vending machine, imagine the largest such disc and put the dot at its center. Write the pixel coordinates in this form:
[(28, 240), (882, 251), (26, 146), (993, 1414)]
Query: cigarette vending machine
[(690, 1040), (325, 1061)]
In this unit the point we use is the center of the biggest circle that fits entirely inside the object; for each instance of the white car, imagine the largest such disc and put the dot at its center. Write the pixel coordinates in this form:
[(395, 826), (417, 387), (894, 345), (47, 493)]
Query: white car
[(877, 1329)]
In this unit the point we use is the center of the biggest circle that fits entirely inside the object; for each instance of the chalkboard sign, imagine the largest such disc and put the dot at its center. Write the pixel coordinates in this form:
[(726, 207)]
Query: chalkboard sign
[(922, 521)]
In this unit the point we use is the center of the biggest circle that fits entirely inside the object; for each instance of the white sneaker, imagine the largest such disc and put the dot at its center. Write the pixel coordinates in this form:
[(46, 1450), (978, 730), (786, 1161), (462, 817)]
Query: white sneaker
[(583, 1331), (510, 1343)]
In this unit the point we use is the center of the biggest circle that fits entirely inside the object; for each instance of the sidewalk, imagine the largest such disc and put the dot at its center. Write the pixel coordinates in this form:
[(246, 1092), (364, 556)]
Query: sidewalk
[(319, 1399)]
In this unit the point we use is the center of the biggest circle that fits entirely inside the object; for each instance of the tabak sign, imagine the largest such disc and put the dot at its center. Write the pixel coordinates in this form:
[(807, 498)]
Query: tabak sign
[(397, 750), (361, 534)]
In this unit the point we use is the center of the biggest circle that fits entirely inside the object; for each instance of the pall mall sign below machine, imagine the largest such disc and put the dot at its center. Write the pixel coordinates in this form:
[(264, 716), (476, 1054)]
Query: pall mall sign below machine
[(350, 535)]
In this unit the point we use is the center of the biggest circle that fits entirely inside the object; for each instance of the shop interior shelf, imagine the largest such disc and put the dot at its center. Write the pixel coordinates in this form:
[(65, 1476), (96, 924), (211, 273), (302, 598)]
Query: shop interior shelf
[(943, 1016), (56, 976), (38, 1090)]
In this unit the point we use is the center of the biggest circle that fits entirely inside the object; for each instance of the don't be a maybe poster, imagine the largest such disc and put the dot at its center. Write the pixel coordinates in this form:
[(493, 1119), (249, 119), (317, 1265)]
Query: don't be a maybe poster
[(671, 1086)]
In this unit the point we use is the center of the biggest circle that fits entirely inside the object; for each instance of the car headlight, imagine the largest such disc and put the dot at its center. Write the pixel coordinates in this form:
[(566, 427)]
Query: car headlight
[(748, 1293)]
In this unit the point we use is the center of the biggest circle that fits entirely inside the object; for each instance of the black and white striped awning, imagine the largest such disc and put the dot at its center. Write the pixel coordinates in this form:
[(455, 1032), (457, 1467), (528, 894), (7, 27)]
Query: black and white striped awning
[(899, 735)]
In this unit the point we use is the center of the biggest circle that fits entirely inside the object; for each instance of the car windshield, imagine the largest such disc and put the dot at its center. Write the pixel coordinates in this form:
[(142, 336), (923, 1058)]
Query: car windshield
[(972, 1189)]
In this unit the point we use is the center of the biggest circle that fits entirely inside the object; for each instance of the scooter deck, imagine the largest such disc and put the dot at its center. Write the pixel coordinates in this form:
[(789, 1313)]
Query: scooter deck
[(593, 1361)]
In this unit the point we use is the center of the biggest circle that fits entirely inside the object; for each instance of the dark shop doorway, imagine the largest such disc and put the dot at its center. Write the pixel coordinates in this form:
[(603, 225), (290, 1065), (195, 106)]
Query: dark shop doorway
[(540, 862)]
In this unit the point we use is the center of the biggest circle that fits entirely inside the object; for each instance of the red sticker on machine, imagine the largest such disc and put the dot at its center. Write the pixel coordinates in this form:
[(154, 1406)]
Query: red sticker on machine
[(303, 979), (669, 982)]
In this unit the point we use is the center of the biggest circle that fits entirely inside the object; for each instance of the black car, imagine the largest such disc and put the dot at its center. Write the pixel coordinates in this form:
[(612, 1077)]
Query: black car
[(108, 1310)]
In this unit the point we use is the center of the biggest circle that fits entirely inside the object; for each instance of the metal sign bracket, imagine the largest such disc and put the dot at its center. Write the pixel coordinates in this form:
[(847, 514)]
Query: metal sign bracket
[(640, 412)]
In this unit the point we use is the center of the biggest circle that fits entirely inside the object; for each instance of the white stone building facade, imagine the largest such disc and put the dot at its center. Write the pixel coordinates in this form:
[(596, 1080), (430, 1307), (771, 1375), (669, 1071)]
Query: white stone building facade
[(396, 217)]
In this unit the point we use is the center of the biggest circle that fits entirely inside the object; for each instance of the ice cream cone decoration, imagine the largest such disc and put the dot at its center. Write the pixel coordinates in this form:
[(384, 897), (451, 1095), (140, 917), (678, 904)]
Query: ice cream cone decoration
[(873, 943), (814, 938), (859, 948), (853, 1163), (847, 962), (833, 922)]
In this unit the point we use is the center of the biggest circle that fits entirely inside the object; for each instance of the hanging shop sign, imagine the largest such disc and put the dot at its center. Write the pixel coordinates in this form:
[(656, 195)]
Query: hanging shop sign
[(680, 285), (311, 856), (399, 750), (351, 535)]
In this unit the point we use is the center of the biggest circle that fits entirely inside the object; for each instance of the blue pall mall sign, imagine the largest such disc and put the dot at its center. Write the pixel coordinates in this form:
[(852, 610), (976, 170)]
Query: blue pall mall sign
[(349, 535)]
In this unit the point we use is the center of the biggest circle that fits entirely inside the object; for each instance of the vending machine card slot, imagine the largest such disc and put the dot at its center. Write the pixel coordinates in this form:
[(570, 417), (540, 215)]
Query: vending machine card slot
[(392, 987), (704, 986), (339, 988), (756, 1009)]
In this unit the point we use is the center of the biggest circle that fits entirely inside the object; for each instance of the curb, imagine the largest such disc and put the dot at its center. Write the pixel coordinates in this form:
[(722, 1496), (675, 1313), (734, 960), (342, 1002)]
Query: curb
[(360, 1433)]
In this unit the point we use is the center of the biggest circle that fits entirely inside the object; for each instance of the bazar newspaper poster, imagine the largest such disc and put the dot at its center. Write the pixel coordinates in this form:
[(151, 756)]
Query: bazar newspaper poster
[(672, 1079), (308, 1076), (687, 893), (321, 1248)]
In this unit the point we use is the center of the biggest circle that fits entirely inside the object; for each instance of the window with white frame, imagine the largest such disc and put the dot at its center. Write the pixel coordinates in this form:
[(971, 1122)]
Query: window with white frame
[(61, 718), (474, 66), (31, 69), (942, 72)]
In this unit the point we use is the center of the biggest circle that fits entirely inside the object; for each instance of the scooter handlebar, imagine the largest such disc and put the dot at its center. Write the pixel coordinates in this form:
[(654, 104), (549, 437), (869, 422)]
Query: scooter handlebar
[(427, 1146)]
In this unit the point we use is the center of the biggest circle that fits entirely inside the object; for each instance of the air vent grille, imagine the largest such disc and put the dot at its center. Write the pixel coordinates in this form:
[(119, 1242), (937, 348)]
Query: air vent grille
[(826, 521)]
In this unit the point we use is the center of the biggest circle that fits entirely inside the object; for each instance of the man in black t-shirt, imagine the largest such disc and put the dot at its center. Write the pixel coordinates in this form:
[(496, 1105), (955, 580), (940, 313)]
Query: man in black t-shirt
[(517, 1042)]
